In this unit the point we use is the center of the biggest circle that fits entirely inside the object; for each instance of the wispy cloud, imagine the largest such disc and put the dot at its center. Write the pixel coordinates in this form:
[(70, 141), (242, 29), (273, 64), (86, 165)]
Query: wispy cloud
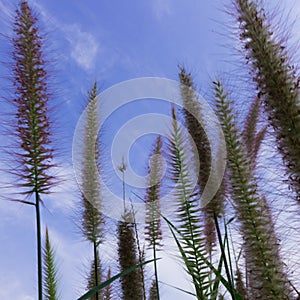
[(162, 8), (65, 195), (84, 45)]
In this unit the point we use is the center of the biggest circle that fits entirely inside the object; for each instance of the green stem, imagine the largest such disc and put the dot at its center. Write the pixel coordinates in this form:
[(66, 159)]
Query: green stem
[(155, 271), (96, 268), (123, 189), (39, 246), (139, 251)]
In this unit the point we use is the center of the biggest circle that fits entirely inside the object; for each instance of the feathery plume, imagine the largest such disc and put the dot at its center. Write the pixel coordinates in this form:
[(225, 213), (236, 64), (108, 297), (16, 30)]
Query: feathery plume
[(268, 278), (198, 134), (49, 270), (277, 83), (92, 220), (32, 127), (153, 233), (132, 287), (132, 283), (188, 212)]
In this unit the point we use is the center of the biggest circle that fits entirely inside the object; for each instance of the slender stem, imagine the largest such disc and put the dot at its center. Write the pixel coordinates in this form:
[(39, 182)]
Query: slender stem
[(123, 185), (228, 250), (39, 246), (155, 271), (139, 251), (96, 268), (122, 168)]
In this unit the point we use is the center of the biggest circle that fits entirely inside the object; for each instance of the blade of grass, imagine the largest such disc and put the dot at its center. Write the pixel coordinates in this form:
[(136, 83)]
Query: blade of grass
[(227, 285), (107, 282), (229, 277), (217, 272), (217, 281), (179, 289), (228, 251)]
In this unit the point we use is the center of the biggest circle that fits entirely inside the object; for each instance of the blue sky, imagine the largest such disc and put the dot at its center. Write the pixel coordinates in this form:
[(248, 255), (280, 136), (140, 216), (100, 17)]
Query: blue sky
[(107, 41)]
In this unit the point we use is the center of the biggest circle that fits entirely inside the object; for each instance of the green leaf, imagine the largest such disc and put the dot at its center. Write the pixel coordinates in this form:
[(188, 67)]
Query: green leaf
[(179, 289), (107, 282)]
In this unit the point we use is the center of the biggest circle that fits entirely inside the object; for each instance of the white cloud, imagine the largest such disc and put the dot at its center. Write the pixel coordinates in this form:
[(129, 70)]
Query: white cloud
[(9, 287), (162, 8), (84, 46), (64, 195)]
